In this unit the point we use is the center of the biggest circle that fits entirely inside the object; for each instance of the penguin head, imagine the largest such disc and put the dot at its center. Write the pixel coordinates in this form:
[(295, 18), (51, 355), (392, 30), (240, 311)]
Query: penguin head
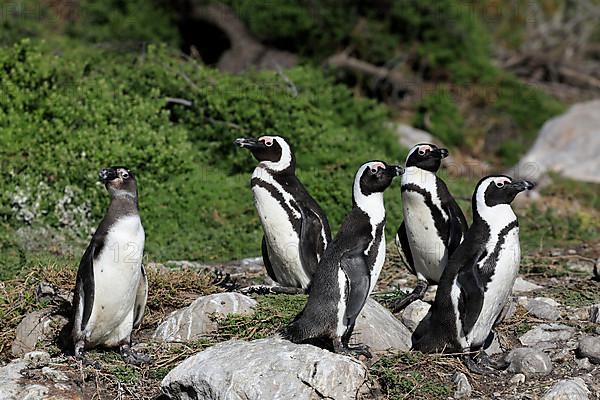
[(373, 177), (273, 152), (119, 181), (497, 191), (426, 156)]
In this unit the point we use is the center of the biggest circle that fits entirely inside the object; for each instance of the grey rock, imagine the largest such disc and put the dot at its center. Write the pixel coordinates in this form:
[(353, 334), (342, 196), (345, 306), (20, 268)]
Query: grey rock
[(414, 313), (568, 144), (523, 286), (463, 387), (35, 327), (546, 335), (517, 379), (579, 265), (270, 368), (590, 347), (494, 347), (595, 313), (529, 361), (584, 363), (409, 136), (195, 320), (377, 327), (55, 375), (568, 389), (37, 359), (430, 293), (541, 309), (13, 385)]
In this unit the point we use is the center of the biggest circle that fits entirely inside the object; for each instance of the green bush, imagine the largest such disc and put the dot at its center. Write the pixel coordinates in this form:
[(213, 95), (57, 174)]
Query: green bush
[(64, 117), (438, 114)]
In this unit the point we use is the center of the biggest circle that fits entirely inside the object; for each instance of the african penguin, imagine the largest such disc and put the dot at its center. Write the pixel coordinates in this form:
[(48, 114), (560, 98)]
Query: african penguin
[(350, 266), (112, 288), (480, 275), (433, 225), (296, 230)]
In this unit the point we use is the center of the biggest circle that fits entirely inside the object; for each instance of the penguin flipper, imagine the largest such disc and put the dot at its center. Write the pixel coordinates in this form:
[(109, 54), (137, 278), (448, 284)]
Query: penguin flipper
[(472, 292), (449, 204), (266, 261), (83, 300), (140, 299), (404, 248), (358, 282), (310, 233)]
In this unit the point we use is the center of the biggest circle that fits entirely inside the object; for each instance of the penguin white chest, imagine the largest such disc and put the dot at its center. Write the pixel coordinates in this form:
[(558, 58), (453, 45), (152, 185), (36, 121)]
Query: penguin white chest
[(428, 250), (499, 287), (277, 211), (117, 275)]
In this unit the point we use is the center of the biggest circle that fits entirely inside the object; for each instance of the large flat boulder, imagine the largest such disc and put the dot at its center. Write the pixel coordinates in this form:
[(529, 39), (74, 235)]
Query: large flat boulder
[(568, 144), (270, 368)]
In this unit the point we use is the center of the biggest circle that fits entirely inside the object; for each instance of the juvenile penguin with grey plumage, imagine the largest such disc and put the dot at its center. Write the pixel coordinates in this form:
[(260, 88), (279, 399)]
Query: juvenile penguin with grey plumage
[(478, 280), (296, 230), (111, 288), (433, 225), (350, 266)]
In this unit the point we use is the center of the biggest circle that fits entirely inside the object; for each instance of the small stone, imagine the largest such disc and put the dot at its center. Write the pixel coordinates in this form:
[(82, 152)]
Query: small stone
[(568, 389), (571, 252), (494, 347), (414, 313), (595, 313), (517, 379), (523, 286), (584, 364), (542, 310), (546, 336), (55, 375), (529, 361), (463, 387), (430, 293), (37, 359), (590, 347)]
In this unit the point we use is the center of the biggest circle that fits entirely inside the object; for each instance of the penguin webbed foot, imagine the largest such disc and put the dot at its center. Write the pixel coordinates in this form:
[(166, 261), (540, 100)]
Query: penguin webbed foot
[(265, 289), (417, 294), (482, 364), (133, 357), (354, 351)]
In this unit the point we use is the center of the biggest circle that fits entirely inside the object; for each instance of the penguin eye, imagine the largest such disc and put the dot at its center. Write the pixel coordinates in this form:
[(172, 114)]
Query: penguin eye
[(499, 184), (269, 143), (374, 170), (125, 175), (422, 152)]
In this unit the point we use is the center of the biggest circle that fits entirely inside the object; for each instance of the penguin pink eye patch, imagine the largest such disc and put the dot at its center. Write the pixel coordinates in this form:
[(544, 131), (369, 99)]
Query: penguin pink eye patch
[(268, 140), (376, 167), (424, 149), (500, 182)]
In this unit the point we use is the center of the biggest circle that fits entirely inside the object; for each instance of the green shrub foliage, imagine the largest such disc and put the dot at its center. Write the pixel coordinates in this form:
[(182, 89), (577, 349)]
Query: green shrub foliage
[(64, 117)]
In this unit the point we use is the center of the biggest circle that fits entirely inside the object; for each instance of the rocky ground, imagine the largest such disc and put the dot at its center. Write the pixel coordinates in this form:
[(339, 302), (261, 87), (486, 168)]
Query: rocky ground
[(550, 334)]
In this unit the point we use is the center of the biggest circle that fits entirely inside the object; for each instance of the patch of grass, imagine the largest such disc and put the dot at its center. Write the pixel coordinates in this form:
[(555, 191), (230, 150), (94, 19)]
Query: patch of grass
[(272, 313), (587, 194), (407, 374), (576, 294), (522, 328)]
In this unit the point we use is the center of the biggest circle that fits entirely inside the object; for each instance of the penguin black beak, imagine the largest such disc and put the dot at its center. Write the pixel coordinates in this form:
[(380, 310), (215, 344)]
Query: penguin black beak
[(249, 143), (520, 186), (439, 153), (107, 174), (397, 170)]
